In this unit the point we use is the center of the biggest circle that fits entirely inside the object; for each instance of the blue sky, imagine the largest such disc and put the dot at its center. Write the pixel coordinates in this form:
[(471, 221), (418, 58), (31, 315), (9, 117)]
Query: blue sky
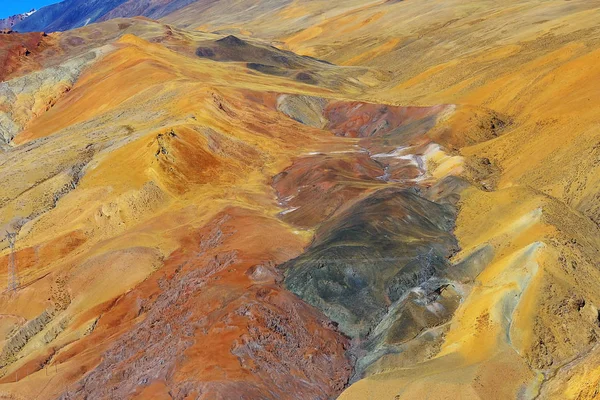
[(12, 7)]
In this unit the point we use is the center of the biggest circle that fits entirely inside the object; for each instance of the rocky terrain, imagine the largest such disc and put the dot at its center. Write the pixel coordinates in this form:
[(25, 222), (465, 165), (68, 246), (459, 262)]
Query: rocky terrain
[(301, 200)]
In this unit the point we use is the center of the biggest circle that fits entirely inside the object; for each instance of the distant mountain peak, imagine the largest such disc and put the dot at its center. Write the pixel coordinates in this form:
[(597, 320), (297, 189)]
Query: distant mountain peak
[(71, 14), (9, 22)]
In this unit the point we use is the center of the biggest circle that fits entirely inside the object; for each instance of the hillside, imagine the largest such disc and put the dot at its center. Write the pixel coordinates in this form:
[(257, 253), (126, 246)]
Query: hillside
[(301, 199)]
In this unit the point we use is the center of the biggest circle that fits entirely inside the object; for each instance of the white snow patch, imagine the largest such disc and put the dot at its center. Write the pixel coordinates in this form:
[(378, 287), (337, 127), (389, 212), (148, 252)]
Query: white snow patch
[(289, 210)]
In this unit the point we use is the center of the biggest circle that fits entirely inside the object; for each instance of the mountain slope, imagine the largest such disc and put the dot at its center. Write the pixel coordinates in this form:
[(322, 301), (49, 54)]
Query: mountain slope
[(70, 14), (66, 15), (398, 200), (10, 22)]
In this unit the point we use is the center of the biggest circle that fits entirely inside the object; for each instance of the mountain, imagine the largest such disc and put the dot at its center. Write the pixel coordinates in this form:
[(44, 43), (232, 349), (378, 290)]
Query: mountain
[(70, 14), (301, 199), (10, 22), (66, 15)]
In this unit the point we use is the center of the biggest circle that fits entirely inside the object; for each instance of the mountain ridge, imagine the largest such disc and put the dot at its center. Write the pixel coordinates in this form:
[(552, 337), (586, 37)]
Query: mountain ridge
[(9, 22), (199, 207), (71, 14)]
